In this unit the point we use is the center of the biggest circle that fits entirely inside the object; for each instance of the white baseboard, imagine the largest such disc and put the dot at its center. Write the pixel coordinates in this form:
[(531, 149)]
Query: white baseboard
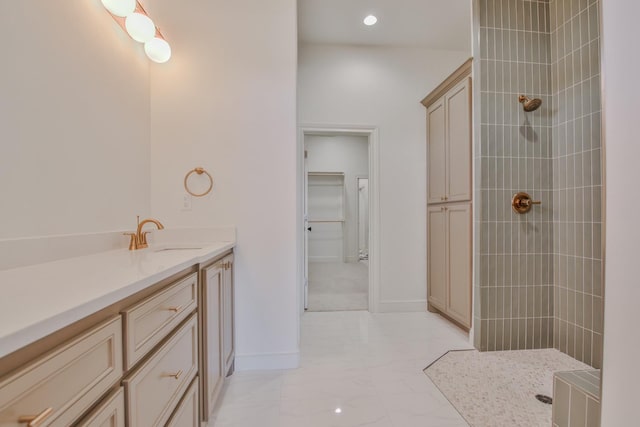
[(402, 306), (267, 361)]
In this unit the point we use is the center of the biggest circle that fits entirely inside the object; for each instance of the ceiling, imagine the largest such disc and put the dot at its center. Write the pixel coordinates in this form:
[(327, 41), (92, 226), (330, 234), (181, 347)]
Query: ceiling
[(436, 24)]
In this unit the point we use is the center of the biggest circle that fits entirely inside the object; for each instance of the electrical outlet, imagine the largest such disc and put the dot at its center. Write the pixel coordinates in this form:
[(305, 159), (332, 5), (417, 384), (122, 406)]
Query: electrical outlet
[(186, 202)]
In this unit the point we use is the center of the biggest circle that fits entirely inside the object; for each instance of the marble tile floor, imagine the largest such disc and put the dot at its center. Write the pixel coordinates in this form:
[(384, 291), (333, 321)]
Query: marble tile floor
[(357, 369), (338, 286)]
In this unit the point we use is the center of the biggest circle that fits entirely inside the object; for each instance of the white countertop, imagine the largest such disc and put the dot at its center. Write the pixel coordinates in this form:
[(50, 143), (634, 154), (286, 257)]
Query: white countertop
[(38, 300)]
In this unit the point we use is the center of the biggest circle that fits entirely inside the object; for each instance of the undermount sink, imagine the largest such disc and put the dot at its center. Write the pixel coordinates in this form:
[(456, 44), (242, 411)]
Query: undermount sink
[(181, 248)]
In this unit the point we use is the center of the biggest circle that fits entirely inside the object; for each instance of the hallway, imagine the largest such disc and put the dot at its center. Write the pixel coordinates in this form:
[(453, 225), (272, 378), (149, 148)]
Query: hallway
[(356, 369)]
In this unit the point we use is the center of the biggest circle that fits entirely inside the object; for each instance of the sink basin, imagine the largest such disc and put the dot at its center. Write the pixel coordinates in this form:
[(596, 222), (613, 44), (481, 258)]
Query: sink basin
[(182, 248)]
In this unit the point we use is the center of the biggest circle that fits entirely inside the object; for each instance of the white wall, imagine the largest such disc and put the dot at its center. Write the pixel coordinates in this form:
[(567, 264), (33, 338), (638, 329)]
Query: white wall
[(226, 101), (74, 121), (349, 155), (622, 290), (383, 87)]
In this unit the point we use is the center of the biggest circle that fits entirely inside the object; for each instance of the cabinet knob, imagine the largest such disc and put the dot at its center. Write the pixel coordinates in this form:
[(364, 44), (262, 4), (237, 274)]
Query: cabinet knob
[(35, 420)]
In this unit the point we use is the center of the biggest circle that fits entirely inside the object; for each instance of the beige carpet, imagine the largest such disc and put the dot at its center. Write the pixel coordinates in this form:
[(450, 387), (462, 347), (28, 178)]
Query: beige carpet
[(497, 389), (338, 286)]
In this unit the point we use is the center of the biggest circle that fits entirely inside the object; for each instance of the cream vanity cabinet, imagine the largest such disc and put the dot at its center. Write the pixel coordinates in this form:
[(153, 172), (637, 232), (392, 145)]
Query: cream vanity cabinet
[(136, 363), (217, 330), (59, 387)]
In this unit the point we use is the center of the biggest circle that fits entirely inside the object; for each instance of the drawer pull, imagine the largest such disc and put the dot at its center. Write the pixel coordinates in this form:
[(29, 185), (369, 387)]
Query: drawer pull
[(175, 309), (177, 375), (35, 420)]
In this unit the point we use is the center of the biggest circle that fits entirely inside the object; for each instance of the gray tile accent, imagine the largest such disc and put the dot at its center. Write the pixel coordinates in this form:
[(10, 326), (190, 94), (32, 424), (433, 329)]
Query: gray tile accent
[(576, 399), (575, 71), (539, 275), (516, 280)]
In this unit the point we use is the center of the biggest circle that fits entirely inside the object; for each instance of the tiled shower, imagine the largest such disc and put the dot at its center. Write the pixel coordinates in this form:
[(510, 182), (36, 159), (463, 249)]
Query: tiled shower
[(538, 276)]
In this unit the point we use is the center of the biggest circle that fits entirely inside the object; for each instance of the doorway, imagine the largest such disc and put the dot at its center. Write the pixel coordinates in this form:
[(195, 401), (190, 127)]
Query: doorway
[(339, 218), (337, 280)]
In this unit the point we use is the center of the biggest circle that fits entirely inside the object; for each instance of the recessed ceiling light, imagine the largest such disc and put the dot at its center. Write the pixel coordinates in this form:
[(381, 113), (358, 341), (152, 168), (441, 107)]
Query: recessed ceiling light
[(338, 411), (370, 20)]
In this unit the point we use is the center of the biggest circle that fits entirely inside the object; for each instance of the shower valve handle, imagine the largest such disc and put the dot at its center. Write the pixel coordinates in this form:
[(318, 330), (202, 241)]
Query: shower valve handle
[(522, 203)]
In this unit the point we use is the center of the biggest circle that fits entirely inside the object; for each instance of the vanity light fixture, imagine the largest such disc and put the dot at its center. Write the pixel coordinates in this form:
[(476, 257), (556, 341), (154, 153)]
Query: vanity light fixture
[(121, 8), (132, 17), (370, 20)]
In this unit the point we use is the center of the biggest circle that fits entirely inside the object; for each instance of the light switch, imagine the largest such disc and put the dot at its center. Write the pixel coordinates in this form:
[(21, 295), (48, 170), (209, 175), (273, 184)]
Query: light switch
[(186, 202)]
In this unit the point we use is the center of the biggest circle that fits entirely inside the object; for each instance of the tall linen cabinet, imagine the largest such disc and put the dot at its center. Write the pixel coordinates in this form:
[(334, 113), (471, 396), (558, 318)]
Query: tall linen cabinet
[(449, 197)]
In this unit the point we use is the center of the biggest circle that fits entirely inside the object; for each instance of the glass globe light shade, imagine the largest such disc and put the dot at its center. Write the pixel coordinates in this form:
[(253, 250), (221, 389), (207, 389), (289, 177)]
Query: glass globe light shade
[(140, 27), (122, 8), (158, 50)]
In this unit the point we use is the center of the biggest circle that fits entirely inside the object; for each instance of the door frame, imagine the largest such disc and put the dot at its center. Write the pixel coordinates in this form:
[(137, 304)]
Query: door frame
[(358, 178), (371, 132)]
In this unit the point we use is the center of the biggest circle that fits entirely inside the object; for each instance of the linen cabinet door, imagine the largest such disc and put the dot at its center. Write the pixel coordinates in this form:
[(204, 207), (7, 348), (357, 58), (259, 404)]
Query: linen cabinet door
[(436, 152), (459, 255), (458, 108), (436, 254)]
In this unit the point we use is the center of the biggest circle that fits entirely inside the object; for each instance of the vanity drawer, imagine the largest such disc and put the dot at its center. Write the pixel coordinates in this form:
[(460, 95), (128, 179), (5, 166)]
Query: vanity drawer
[(110, 413), (65, 383), (187, 412), (154, 389), (150, 321)]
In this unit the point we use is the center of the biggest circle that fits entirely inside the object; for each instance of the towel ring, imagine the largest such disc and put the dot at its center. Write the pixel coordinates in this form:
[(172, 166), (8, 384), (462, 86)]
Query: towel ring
[(199, 171)]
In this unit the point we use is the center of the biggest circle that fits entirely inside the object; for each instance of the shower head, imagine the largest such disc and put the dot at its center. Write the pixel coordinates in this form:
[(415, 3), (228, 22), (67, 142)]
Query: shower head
[(530, 104)]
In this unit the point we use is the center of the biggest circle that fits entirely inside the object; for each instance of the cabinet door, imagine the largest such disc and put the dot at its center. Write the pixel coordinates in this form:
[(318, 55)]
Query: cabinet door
[(459, 255), (109, 413), (436, 152), (458, 108), (228, 339), (436, 254), (186, 414), (211, 321)]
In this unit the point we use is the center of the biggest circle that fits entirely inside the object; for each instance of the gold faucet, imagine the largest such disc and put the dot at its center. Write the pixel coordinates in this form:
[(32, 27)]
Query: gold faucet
[(139, 238)]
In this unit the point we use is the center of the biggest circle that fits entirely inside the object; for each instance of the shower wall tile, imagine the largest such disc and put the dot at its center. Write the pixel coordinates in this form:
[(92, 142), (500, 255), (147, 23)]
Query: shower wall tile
[(539, 278), (515, 283), (577, 158)]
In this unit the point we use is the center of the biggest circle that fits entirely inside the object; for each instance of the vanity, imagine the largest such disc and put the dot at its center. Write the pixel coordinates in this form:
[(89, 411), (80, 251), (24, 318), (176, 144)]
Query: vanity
[(119, 338)]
